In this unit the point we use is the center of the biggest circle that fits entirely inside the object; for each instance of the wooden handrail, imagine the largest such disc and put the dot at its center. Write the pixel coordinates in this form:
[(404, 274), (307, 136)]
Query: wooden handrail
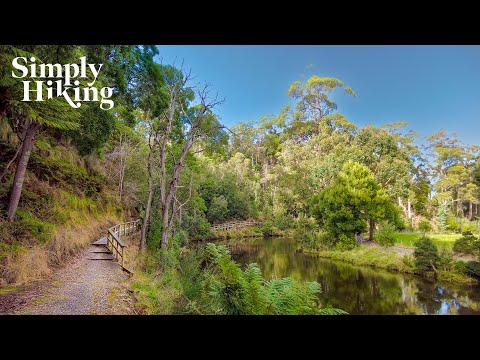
[(235, 224), (114, 244)]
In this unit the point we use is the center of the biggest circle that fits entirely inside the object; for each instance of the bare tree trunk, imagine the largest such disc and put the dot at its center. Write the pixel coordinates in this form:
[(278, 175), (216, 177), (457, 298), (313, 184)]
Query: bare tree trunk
[(371, 229), (166, 223), (146, 220), (21, 169), (409, 205), (470, 211)]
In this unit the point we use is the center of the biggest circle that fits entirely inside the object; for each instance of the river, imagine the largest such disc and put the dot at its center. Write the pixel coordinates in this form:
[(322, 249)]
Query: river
[(355, 289)]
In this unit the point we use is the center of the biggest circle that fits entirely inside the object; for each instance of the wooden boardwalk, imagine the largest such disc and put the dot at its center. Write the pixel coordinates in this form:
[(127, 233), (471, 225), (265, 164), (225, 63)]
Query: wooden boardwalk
[(232, 225), (114, 245)]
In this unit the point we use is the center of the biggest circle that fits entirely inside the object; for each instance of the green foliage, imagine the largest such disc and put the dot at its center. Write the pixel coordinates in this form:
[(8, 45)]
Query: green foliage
[(442, 217), (426, 255), (446, 261), (284, 221), (218, 209), (393, 216), (424, 225), (267, 228), (452, 223), (385, 235), (230, 290), (355, 197), (96, 126), (345, 242), (40, 230), (472, 268), (467, 244), (317, 240)]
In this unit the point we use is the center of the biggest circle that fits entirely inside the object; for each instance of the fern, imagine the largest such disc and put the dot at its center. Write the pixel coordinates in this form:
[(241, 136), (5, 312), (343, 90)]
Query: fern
[(229, 290)]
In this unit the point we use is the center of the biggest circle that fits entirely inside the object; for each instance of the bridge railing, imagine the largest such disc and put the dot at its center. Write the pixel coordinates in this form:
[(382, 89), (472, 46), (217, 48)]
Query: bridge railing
[(114, 244), (234, 225)]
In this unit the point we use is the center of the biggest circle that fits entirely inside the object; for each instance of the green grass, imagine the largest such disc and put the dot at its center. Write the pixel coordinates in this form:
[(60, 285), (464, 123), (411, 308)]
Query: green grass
[(441, 240), (384, 258), (376, 257)]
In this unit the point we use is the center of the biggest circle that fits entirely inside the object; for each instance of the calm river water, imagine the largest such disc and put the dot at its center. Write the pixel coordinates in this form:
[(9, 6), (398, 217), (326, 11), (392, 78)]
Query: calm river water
[(358, 290)]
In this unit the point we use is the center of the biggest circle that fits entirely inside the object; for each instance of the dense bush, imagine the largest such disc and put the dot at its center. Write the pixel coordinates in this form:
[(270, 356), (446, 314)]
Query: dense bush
[(424, 226), (445, 260), (345, 242), (394, 216), (452, 223), (472, 268), (467, 244), (218, 209), (386, 234), (267, 228), (284, 221), (426, 255), (317, 240)]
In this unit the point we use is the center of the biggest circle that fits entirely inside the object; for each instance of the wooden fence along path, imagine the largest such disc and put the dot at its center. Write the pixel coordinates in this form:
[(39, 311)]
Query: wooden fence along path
[(114, 244), (232, 225)]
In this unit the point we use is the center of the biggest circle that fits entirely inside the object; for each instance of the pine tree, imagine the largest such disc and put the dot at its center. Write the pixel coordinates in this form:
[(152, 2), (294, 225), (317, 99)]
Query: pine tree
[(442, 216)]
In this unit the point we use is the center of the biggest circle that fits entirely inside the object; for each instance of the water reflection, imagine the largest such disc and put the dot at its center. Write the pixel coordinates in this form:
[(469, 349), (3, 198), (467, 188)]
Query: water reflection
[(358, 290)]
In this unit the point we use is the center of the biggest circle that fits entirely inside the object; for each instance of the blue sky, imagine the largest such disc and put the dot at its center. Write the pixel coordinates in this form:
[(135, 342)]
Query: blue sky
[(430, 87)]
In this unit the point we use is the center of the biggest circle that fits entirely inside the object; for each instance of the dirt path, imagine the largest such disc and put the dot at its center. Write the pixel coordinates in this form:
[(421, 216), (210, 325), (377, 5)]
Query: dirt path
[(83, 286)]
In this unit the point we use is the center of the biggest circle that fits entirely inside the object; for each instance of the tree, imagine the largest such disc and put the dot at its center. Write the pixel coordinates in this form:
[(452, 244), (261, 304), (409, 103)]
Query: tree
[(426, 255), (27, 119), (196, 121), (353, 199)]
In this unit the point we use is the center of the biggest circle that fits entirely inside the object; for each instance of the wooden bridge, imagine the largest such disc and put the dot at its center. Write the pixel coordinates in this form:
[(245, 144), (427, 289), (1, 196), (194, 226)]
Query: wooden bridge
[(232, 225), (113, 243)]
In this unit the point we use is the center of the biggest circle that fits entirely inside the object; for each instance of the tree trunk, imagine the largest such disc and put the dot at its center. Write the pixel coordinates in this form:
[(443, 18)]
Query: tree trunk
[(146, 220), (372, 228), (470, 211), (166, 223), (409, 204), (21, 169)]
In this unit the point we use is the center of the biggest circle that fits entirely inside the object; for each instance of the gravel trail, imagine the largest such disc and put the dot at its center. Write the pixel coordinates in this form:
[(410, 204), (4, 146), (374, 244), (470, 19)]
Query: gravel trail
[(82, 287)]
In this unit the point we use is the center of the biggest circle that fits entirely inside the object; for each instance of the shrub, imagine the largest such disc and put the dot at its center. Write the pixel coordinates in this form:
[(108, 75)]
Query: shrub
[(267, 228), (445, 260), (346, 242), (283, 221), (426, 255), (460, 266), (424, 225), (386, 234), (218, 209), (452, 223), (472, 268), (467, 244), (315, 240)]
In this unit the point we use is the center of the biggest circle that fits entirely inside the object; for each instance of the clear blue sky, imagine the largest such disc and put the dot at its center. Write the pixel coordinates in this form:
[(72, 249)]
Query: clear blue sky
[(430, 87)]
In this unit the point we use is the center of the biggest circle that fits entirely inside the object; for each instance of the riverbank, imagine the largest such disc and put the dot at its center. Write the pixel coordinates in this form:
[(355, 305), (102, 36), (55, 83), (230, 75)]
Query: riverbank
[(389, 259)]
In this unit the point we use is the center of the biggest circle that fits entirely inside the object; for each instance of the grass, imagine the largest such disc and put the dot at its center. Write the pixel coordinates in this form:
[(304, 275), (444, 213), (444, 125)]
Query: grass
[(384, 258), (444, 241), (65, 204), (375, 257), (154, 295)]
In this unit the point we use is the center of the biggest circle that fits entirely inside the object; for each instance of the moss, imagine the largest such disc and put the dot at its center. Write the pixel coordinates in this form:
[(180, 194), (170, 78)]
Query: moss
[(8, 289)]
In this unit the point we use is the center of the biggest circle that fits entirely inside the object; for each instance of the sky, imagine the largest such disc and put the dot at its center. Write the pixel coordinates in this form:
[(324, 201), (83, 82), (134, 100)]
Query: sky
[(430, 87)]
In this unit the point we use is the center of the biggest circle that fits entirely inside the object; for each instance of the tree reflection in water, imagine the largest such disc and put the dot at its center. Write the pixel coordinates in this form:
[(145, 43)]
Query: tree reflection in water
[(357, 290)]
